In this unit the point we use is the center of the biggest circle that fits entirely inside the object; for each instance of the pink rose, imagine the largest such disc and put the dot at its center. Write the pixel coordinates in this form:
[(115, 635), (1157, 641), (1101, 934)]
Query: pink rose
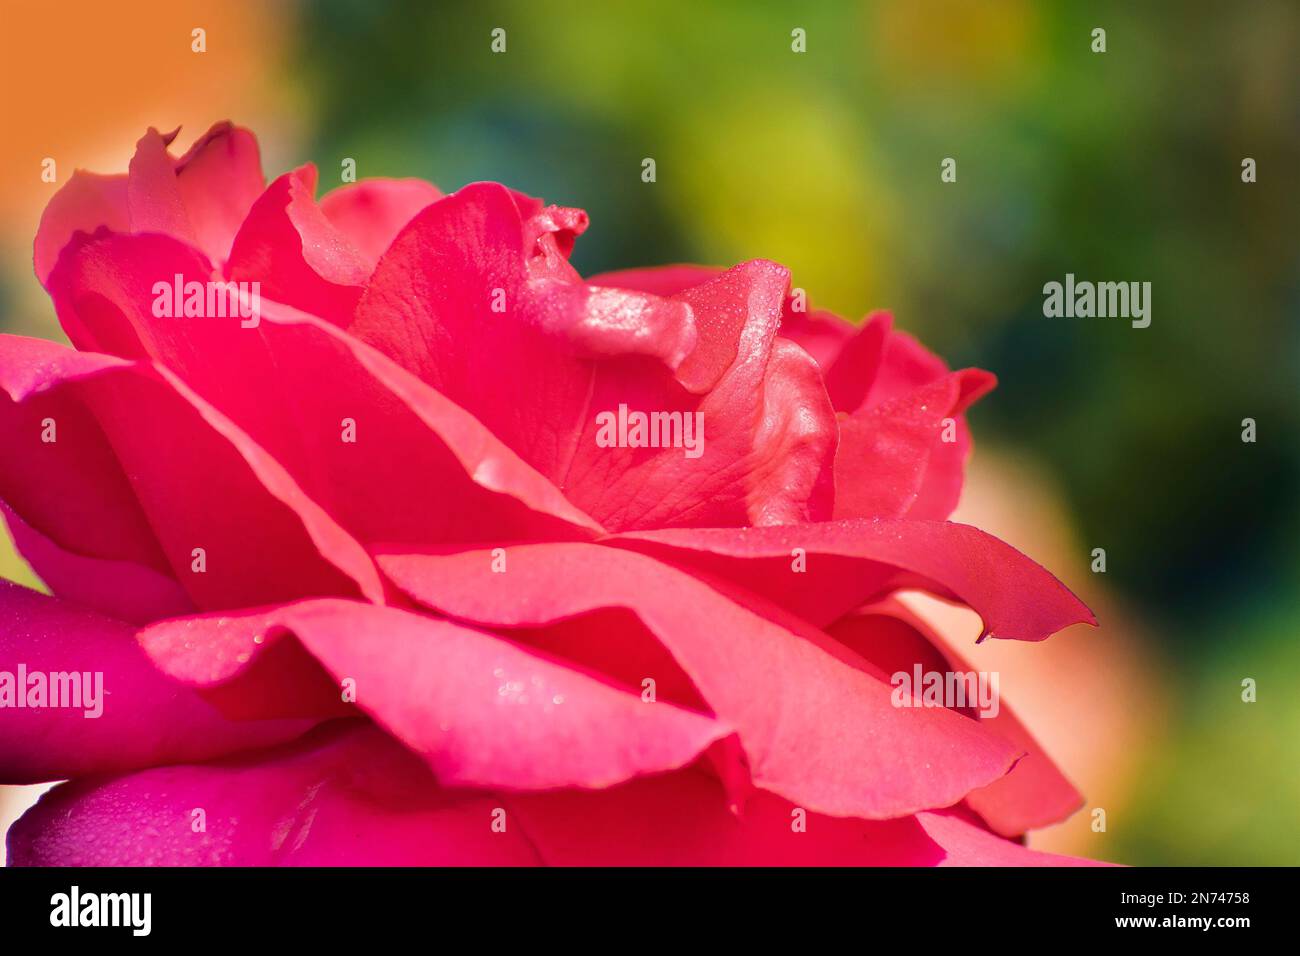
[(393, 540)]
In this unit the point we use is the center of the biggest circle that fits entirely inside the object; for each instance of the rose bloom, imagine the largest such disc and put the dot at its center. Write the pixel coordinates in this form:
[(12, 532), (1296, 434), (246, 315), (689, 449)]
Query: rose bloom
[(366, 584)]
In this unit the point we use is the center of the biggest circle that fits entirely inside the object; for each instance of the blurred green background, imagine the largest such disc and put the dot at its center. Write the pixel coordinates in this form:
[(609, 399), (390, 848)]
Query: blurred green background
[(1115, 166)]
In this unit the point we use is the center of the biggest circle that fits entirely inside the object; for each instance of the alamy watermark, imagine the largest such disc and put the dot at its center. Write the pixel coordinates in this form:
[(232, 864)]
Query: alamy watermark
[(1125, 300), (77, 690), (208, 300), (75, 908), (628, 429), (920, 688)]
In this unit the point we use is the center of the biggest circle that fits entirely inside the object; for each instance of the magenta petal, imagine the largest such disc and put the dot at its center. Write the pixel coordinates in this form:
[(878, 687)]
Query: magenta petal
[(305, 550), (874, 363), (405, 435), (71, 490), (538, 356), (769, 431), (84, 203), (819, 333), (418, 438), (200, 198), (965, 843), (903, 367), (345, 796), (736, 314), (795, 442), (145, 719), (853, 560), (550, 230), (1035, 793), (944, 477), (153, 196), (245, 664), (816, 723), (481, 710), (682, 819), (612, 322), (430, 303), (120, 589), (659, 280), (613, 643), (886, 450), (219, 179), (189, 468), (373, 211), (857, 363), (297, 254), (904, 364), (453, 301)]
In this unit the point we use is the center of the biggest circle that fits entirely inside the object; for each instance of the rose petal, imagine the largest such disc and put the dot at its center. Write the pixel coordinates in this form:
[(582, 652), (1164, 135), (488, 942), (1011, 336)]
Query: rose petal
[(71, 490), (891, 365), (84, 203), (455, 302), (366, 442), (819, 333), (297, 254), (847, 562), (967, 844), (373, 211), (219, 179), (736, 314), (659, 280), (189, 467), (886, 450), (345, 796), (242, 664), (550, 227), (1035, 793), (682, 819), (120, 589), (481, 710), (769, 432), (904, 364), (146, 718), (614, 643), (455, 288), (891, 461), (796, 442), (153, 196), (857, 363), (817, 726)]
